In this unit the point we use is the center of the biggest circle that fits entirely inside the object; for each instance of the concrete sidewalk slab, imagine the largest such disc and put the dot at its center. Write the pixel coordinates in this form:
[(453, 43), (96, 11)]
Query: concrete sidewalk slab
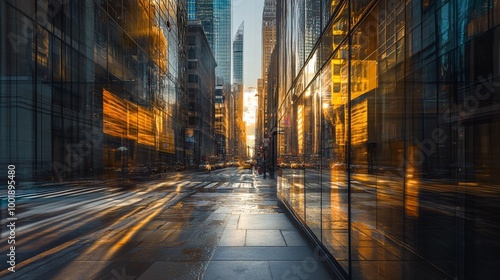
[(237, 235)]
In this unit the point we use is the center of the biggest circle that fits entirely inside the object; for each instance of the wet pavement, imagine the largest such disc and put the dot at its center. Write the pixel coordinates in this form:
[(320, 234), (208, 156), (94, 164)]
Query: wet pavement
[(228, 227), (239, 234)]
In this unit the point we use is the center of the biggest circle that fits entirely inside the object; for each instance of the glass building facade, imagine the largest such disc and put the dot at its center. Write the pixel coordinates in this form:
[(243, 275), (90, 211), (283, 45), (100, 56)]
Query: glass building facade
[(222, 42), (238, 55), (91, 87), (387, 134), (215, 16)]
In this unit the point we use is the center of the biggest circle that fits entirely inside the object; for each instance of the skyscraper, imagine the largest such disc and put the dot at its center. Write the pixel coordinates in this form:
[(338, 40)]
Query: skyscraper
[(222, 40), (215, 16), (238, 55), (200, 141), (268, 43), (268, 34), (236, 128)]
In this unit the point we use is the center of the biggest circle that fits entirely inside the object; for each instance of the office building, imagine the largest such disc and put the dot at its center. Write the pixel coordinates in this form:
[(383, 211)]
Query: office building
[(268, 43), (200, 134), (90, 88), (387, 134), (238, 55), (215, 16), (236, 128)]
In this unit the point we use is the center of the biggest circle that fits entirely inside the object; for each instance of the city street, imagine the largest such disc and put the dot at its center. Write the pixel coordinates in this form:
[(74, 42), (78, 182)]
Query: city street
[(186, 225)]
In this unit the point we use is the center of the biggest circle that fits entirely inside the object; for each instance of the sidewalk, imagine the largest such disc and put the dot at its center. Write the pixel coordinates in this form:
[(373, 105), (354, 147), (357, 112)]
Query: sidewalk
[(237, 234)]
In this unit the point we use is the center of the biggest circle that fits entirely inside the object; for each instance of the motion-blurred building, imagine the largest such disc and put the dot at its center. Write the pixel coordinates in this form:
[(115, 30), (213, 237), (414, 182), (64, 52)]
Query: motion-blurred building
[(91, 87)]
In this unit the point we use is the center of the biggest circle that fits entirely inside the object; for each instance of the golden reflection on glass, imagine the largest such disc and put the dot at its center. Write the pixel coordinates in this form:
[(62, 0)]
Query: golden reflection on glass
[(123, 119), (338, 99), (340, 25), (145, 125), (148, 28), (412, 184), (362, 239), (300, 129), (335, 220), (310, 69), (297, 194), (359, 123), (364, 77), (160, 48), (335, 210), (114, 110)]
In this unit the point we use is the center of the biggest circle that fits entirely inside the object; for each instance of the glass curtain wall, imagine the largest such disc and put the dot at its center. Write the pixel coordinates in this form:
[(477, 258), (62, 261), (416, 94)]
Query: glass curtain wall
[(388, 133), (90, 87)]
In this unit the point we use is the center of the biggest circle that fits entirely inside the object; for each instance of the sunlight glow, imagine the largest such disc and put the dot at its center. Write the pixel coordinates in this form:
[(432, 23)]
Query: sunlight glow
[(250, 105)]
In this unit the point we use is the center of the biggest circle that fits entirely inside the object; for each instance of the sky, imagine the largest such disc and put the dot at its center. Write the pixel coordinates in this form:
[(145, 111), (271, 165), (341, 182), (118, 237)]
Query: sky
[(251, 13), (249, 115)]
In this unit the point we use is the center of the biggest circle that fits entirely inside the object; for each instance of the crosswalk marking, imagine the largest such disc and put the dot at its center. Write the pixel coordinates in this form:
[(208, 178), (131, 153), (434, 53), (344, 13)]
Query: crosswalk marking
[(245, 185), (192, 184), (211, 185), (201, 185), (223, 186)]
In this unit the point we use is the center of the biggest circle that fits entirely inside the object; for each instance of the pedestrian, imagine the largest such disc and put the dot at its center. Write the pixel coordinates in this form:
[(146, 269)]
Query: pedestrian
[(271, 171)]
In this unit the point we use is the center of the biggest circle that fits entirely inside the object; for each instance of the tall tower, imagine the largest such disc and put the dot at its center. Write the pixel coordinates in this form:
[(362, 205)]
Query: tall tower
[(215, 16), (203, 11), (200, 141), (222, 41), (268, 35), (237, 136), (268, 42), (238, 55)]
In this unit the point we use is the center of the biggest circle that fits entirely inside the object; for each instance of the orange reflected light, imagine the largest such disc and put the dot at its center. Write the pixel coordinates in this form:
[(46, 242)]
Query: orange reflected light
[(412, 186), (124, 119), (359, 122), (132, 231), (300, 128), (364, 81)]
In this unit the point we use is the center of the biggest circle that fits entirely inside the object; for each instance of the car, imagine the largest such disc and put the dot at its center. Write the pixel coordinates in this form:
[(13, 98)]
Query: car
[(160, 167), (219, 165), (180, 167), (204, 166), (139, 170)]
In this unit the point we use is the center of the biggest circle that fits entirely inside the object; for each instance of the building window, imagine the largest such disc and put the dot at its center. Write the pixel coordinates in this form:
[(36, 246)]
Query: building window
[(192, 78), (192, 65)]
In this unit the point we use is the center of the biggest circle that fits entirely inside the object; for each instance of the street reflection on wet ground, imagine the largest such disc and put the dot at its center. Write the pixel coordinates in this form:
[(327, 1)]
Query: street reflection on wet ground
[(221, 225)]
